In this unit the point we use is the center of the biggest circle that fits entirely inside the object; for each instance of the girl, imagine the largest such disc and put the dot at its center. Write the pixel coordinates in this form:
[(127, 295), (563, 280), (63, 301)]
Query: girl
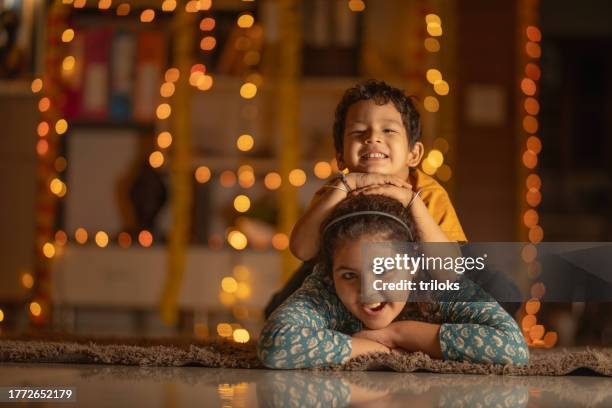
[(327, 322)]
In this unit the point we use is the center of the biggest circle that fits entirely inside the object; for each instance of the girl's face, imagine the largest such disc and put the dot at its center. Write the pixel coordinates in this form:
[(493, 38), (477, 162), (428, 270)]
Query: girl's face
[(347, 270)]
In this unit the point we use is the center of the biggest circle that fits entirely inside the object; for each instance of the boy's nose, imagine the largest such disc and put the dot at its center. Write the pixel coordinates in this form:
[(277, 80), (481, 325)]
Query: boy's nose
[(372, 137)]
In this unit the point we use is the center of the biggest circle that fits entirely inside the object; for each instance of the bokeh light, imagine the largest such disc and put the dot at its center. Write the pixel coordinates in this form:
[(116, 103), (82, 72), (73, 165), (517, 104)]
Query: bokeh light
[(245, 143), (202, 174), (145, 238), (272, 180), (297, 177), (242, 203), (101, 239)]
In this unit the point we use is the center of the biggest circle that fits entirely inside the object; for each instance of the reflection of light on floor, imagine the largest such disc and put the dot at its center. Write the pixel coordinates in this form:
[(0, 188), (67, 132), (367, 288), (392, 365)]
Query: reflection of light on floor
[(233, 395)]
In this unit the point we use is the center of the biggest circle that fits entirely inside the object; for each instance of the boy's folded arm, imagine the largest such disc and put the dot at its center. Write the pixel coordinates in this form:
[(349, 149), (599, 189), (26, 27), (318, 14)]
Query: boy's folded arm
[(304, 242)]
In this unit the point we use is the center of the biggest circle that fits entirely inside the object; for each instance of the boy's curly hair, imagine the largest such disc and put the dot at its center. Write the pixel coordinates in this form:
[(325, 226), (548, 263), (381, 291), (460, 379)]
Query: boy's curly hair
[(381, 93)]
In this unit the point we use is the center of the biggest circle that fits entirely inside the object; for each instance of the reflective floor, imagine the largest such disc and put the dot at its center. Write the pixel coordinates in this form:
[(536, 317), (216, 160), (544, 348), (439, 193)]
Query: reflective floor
[(117, 386)]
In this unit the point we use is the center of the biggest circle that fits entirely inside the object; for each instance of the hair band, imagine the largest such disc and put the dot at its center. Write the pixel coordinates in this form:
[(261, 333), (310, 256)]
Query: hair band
[(357, 213)]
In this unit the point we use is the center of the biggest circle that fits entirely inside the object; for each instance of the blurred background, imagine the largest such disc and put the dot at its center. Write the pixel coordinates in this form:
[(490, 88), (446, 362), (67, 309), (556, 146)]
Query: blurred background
[(155, 154)]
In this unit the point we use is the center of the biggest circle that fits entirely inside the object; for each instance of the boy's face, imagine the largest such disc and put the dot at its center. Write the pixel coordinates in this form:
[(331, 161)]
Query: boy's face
[(376, 141), (348, 273)]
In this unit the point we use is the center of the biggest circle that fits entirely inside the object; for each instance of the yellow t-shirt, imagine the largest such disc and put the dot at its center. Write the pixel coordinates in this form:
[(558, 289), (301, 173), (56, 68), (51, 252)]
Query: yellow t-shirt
[(438, 203)]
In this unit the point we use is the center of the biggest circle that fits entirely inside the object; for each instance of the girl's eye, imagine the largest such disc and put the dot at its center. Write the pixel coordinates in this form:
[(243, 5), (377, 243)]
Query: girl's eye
[(348, 275)]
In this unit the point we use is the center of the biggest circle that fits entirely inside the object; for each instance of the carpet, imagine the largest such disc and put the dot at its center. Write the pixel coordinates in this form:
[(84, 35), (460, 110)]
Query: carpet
[(187, 352)]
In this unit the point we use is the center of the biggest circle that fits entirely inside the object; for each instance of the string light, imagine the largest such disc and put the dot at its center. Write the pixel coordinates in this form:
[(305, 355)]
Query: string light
[(272, 181), (356, 6), (68, 35), (245, 143), (248, 90), (147, 15), (80, 235), (164, 140), (245, 21), (123, 9), (101, 239), (202, 174), (145, 238)]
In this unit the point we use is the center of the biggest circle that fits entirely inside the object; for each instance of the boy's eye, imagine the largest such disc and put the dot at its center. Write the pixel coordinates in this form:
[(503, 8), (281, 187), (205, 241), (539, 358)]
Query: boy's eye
[(390, 131)]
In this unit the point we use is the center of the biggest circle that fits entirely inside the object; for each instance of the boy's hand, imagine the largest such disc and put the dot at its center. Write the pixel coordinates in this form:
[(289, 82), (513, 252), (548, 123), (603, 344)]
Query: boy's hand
[(401, 194), (361, 180), (385, 336)]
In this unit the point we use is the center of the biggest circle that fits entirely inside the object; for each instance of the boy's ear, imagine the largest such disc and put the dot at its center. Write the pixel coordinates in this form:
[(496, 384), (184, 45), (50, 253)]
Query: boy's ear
[(416, 154)]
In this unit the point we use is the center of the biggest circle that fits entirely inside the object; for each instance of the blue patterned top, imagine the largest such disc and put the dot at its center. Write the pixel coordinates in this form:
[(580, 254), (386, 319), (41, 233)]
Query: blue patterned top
[(312, 328)]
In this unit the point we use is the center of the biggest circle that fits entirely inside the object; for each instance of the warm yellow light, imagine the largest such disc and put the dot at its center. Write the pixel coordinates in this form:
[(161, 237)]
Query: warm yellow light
[(227, 299), (227, 178), (432, 45), (533, 182), (428, 168), (252, 58), (164, 140), (533, 197), (533, 71), (529, 253), (441, 144), (434, 29), (60, 164), (163, 111), (530, 159), (243, 291), (224, 330), (533, 34), (242, 203), (35, 309), (68, 63), (435, 157), (79, 3), (192, 6), (61, 126), (534, 144), (61, 238), (37, 85), (42, 147), (48, 250), (246, 179), (280, 241), (433, 19), (101, 239), (156, 159), (27, 280), (536, 234), (80, 235), (322, 170), (147, 15), (444, 173), (431, 104), (237, 240), (202, 174), (297, 177), (56, 186), (44, 104), (42, 129), (241, 336), (241, 272), (272, 180), (68, 35), (441, 87), (194, 77), (533, 50), (528, 87), (1, 315), (245, 21), (530, 124), (245, 143), (168, 5), (205, 82), (433, 76), (356, 5), (208, 43), (248, 90), (172, 75), (532, 106), (167, 89), (207, 24), (104, 4), (123, 9), (229, 284), (145, 238), (531, 218), (124, 239)]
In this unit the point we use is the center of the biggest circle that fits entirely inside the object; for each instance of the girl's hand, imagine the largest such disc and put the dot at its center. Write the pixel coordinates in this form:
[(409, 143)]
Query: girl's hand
[(361, 180), (385, 336), (401, 194)]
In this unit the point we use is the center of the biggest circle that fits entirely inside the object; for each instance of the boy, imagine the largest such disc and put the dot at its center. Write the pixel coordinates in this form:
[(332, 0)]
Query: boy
[(377, 132)]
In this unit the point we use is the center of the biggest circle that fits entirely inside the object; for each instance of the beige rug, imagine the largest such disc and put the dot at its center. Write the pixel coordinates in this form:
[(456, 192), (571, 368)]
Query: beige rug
[(186, 352)]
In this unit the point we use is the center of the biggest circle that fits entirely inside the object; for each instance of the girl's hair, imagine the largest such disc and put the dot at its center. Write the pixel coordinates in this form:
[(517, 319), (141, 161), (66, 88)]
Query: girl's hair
[(353, 228)]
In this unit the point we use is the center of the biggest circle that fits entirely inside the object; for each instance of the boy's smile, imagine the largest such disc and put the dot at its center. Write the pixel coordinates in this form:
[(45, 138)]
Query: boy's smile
[(376, 140)]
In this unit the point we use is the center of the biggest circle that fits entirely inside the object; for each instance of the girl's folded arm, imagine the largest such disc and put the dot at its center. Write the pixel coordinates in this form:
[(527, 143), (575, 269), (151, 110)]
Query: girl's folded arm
[(481, 332)]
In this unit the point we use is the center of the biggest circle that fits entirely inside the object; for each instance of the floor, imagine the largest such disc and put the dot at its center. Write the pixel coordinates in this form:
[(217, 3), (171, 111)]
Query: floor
[(117, 386)]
